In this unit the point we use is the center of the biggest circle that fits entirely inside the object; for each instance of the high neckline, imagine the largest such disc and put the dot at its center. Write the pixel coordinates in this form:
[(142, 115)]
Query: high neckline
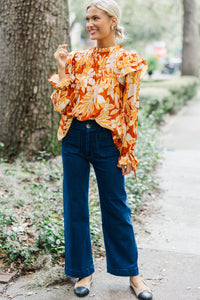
[(108, 49)]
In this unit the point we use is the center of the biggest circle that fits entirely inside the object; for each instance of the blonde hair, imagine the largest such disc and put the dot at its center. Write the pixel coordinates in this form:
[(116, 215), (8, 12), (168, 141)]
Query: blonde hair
[(112, 9)]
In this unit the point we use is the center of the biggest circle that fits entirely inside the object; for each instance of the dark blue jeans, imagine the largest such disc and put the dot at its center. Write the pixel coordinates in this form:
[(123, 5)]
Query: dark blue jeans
[(85, 143)]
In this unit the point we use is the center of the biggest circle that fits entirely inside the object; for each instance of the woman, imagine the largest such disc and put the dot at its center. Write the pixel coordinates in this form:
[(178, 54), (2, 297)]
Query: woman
[(97, 93)]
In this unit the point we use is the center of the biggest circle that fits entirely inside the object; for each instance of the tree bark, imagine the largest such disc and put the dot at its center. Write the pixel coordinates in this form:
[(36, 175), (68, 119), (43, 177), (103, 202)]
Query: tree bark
[(190, 55), (31, 30)]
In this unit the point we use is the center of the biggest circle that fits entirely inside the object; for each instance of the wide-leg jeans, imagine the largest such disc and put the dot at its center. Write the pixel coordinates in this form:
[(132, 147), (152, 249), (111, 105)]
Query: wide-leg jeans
[(88, 143)]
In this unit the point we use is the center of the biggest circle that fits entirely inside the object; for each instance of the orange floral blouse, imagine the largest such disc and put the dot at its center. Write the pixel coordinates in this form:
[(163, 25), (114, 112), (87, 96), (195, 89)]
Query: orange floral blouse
[(102, 85)]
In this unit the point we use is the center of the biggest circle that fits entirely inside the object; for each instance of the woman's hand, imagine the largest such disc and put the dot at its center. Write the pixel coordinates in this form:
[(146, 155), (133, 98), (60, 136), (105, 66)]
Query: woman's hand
[(61, 57), (126, 169)]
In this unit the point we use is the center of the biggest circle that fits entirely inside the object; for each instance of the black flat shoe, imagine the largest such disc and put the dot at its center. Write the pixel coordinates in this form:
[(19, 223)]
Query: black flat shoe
[(145, 296), (82, 287), (81, 291), (142, 294)]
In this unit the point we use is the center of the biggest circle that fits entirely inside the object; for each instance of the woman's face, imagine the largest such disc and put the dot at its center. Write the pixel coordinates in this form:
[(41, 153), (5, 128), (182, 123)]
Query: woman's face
[(98, 23)]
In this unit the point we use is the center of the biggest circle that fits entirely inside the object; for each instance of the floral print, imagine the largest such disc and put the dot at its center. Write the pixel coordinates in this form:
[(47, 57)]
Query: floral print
[(102, 85)]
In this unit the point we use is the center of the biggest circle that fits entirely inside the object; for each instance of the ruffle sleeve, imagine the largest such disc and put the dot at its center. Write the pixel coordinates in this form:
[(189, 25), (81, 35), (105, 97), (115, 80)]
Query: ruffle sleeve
[(133, 68), (129, 63), (70, 72)]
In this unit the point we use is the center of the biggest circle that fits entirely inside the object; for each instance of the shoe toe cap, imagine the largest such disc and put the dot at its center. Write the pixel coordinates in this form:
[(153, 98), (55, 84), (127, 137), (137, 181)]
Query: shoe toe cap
[(81, 291), (145, 296)]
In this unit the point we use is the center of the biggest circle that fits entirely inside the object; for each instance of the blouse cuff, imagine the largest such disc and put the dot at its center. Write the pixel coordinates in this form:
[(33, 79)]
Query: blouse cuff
[(126, 159), (54, 80)]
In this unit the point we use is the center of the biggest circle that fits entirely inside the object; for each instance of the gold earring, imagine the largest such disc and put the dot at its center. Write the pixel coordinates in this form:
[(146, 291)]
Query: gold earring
[(112, 28)]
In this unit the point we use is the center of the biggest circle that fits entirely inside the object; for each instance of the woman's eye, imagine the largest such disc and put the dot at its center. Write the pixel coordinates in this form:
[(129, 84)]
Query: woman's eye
[(94, 18)]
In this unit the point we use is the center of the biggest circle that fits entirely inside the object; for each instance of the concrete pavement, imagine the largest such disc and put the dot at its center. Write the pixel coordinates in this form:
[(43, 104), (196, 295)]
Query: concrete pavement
[(168, 233)]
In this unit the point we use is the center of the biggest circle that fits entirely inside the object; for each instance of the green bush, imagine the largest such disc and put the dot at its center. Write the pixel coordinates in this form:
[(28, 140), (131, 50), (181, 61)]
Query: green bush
[(161, 96), (155, 101), (152, 63)]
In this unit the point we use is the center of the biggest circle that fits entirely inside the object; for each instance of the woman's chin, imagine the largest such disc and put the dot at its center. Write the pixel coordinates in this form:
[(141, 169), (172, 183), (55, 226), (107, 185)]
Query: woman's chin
[(92, 37)]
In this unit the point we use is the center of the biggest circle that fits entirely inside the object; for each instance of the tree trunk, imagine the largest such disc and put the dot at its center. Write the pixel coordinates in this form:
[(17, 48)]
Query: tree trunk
[(31, 30), (190, 55)]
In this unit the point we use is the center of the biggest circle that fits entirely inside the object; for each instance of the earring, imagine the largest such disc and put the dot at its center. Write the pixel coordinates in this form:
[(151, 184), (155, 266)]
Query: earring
[(112, 28)]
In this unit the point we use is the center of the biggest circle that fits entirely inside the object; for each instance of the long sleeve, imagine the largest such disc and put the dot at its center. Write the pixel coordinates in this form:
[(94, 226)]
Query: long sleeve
[(64, 90), (130, 119)]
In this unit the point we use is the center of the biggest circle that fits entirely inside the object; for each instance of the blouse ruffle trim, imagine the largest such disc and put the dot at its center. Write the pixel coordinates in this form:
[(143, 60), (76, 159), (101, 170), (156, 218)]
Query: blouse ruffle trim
[(54, 80), (108, 49), (131, 63)]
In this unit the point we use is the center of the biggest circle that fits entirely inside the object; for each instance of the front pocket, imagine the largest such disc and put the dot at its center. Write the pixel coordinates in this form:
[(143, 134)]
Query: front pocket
[(72, 138), (106, 145)]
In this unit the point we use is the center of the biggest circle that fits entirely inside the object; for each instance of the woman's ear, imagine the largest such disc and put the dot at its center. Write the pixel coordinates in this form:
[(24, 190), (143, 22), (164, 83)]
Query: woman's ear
[(114, 21)]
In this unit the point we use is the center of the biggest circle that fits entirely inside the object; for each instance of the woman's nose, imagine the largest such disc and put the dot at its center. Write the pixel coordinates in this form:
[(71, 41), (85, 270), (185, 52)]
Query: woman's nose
[(89, 24)]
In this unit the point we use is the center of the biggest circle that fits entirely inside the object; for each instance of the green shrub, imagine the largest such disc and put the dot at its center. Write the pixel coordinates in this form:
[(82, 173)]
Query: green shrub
[(155, 101), (161, 96), (152, 63)]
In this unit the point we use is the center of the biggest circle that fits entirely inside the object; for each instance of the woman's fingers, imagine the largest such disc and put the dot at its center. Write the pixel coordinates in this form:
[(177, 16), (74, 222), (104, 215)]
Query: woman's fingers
[(126, 169), (61, 52), (62, 49), (61, 55), (64, 46)]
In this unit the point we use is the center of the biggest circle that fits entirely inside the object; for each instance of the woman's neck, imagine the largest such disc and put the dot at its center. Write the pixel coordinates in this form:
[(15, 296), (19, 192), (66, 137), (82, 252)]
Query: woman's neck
[(106, 43)]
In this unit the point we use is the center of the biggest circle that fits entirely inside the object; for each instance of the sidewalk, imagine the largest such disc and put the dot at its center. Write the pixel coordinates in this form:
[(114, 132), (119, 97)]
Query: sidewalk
[(168, 237)]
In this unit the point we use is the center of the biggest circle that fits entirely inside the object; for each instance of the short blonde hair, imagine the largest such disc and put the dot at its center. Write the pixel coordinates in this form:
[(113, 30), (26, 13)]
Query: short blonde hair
[(112, 9)]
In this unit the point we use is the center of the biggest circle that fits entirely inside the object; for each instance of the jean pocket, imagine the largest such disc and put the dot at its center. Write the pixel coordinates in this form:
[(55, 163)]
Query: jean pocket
[(106, 146), (72, 139)]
